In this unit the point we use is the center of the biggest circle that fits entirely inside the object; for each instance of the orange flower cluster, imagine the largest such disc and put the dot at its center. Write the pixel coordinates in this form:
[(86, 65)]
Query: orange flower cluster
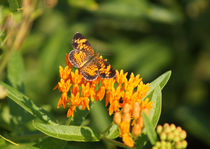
[(123, 97), (80, 90)]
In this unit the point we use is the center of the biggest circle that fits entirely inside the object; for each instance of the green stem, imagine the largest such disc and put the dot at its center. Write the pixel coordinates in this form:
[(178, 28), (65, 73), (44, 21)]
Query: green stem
[(68, 121), (115, 142), (9, 140), (107, 129)]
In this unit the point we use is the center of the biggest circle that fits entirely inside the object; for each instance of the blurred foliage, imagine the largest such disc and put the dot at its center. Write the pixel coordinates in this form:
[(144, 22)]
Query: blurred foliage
[(140, 36)]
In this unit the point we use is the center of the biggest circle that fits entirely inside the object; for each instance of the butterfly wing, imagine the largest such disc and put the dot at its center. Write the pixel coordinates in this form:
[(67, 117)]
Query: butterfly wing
[(78, 58), (90, 71), (82, 51), (79, 42), (105, 69)]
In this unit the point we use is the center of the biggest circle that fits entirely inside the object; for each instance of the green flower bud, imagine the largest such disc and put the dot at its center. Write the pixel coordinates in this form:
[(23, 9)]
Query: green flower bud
[(158, 144), (178, 145), (167, 129), (176, 138), (166, 125), (183, 134), (168, 145), (159, 129), (184, 144), (163, 136), (178, 129), (170, 136), (163, 145), (173, 127)]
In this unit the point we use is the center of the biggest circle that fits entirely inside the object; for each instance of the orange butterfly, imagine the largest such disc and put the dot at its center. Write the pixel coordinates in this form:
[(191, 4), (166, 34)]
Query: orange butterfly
[(91, 65)]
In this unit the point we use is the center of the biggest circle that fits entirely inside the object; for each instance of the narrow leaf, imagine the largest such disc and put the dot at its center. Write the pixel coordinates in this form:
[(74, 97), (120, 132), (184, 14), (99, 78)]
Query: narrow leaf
[(161, 81), (68, 133), (157, 104), (150, 131), (15, 69), (27, 104)]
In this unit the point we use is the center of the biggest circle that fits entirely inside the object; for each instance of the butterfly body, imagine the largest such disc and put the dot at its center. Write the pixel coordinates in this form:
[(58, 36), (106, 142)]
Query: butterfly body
[(90, 64)]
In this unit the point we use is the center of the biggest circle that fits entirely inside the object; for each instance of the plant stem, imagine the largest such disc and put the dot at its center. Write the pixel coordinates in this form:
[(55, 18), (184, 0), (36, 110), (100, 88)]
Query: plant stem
[(115, 142), (9, 140), (68, 121), (107, 129)]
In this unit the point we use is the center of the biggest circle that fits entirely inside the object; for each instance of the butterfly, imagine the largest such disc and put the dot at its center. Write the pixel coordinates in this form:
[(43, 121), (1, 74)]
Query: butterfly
[(90, 64)]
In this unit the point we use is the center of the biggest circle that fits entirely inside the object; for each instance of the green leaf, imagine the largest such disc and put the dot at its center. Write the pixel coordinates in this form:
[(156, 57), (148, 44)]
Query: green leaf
[(68, 133), (160, 81), (100, 117), (14, 4), (15, 69), (51, 143), (79, 117), (155, 112), (113, 132), (141, 141), (27, 104), (150, 131)]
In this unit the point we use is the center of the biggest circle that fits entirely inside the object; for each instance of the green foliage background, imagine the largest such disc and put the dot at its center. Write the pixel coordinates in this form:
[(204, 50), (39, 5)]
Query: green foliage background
[(140, 36)]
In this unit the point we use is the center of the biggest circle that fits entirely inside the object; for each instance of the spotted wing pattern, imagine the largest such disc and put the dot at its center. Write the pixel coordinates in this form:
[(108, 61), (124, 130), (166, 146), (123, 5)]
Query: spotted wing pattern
[(90, 71), (105, 69), (80, 43), (91, 66), (78, 58)]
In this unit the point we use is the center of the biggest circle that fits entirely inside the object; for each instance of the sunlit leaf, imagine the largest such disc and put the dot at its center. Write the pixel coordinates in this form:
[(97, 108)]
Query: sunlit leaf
[(27, 104), (68, 133), (160, 81), (155, 112), (150, 131), (113, 132)]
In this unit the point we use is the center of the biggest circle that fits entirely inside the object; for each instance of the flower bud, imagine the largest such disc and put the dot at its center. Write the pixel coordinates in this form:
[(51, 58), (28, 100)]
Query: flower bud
[(136, 110), (170, 136), (178, 145), (173, 127), (158, 144), (184, 144), (166, 125), (159, 129), (126, 108), (163, 136), (136, 130), (176, 138), (126, 117), (168, 145), (183, 134), (140, 121), (117, 118)]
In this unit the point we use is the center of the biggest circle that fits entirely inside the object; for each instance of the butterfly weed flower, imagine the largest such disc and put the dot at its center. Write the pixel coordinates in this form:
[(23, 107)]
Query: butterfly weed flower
[(95, 79)]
